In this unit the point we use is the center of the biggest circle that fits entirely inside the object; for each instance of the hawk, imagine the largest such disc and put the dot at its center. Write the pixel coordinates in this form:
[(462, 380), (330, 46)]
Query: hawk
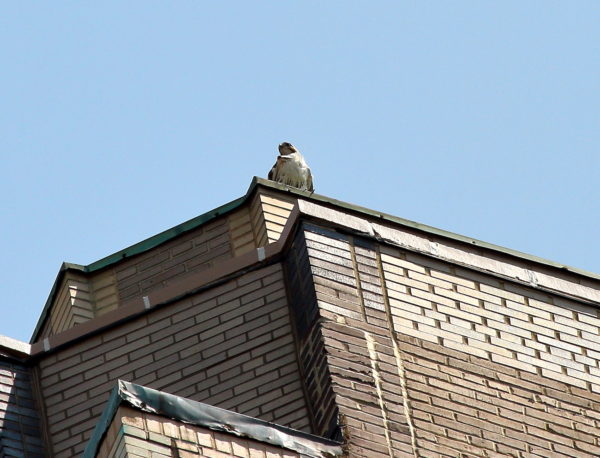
[(291, 169)]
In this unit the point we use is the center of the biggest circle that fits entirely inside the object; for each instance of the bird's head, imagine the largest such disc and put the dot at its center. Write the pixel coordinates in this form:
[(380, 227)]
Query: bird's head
[(287, 148)]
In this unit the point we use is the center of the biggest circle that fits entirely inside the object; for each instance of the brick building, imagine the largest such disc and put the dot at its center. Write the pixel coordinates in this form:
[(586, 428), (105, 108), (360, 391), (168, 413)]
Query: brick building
[(288, 324)]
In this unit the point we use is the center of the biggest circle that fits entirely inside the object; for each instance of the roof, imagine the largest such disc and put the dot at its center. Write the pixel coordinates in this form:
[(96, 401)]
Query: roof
[(167, 235), (200, 414), (193, 223)]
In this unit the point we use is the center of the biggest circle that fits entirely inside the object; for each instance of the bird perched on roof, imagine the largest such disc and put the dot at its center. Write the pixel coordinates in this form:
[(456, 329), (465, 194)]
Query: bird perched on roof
[(291, 169)]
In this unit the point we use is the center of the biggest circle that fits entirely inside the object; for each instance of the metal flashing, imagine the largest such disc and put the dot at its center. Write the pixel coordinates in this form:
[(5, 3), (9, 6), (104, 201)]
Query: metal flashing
[(204, 415)]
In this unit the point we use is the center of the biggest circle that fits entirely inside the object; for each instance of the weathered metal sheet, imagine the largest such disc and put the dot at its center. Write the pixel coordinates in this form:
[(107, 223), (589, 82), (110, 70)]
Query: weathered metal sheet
[(200, 414)]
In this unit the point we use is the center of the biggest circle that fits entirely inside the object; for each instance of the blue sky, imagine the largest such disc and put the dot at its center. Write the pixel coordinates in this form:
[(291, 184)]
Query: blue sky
[(122, 119)]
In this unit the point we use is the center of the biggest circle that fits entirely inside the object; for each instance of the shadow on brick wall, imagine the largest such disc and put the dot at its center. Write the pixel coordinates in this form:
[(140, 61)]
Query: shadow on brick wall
[(20, 434)]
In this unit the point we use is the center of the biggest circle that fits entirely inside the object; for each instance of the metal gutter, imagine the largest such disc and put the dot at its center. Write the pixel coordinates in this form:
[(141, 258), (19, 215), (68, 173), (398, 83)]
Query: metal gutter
[(199, 414)]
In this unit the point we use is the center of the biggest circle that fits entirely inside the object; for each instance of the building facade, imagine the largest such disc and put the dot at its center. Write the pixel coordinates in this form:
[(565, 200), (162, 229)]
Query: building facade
[(290, 324)]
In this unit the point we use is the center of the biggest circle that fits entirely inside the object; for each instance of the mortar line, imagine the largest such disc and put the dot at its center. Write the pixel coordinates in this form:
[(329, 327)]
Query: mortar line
[(377, 378), (372, 352), (397, 355), (357, 278)]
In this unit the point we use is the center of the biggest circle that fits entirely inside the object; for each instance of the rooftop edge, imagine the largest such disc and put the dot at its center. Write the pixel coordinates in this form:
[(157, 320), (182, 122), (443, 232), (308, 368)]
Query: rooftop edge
[(193, 223)]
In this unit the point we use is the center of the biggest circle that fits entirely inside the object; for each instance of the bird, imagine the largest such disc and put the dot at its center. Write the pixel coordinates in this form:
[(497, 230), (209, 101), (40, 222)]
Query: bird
[(291, 169)]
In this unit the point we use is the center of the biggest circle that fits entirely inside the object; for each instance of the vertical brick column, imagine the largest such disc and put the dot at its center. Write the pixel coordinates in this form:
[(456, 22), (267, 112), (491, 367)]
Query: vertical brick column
[(352, 366), (312, 354)]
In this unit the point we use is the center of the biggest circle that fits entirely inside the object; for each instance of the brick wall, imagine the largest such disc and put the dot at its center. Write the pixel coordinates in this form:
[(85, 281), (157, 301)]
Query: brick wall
[(230, 346), (242, 231), (80, 298), (464, 403), (401, 353), (135, 433), (313, 360), (73, 304), (222, 238), (270, 212), (105, 293), (83, 296), (428, 358), (199, 249), (506, 323), (20, 433)]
